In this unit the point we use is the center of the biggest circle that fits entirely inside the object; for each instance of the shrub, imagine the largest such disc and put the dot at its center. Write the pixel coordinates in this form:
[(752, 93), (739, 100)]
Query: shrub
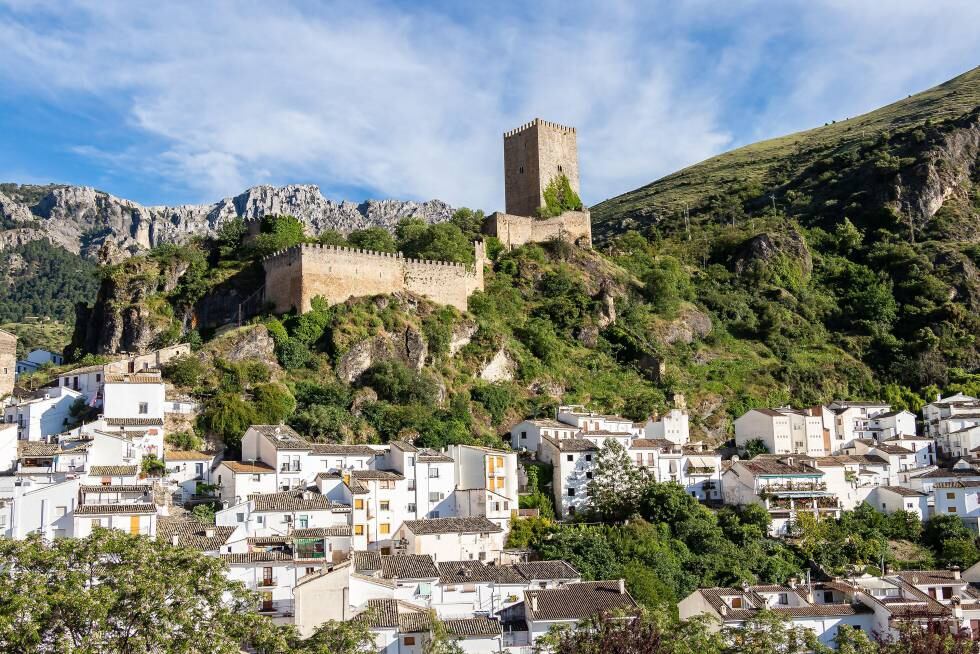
[(185, 370), (559, 197)]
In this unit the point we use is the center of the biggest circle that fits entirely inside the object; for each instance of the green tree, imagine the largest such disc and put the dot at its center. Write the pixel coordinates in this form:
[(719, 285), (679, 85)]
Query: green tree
[(754, 448), (185, 370), (667, 285), (116, 592), (227, 415), (438, 242), (377, 239), (152, 466), (230, 236), (277, 233), (184, 440), (559, 197), (617, 484), (273, 403), (440, 641)]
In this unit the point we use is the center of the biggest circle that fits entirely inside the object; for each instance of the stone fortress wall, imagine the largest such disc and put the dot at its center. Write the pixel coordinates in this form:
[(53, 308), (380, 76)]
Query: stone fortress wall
[(293, 277), (8, 362), (513, 231)]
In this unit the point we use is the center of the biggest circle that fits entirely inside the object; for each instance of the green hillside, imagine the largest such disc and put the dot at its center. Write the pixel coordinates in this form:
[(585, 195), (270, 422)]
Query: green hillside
[(769, 166)]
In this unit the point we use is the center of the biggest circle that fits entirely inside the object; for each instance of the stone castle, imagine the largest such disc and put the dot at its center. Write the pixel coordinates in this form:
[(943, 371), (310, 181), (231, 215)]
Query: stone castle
[(534, 154)]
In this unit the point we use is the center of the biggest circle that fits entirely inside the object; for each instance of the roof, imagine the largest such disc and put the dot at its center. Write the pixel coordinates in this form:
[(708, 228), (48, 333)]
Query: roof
[(113, 509), (193, 533), (256, 557), (431, 456), (133, 378), (186, 455), (344, 450), (371, 475), (480, 626), (906, 437), (577, 601), (404, 446), (606, 432), (84, 369), (959, 483), (249, 467), (112, 471), (572, 444), (396, 566), (292, 500), (451, 526), (903, 491), (763, 465), (282, 437), (551, 424), (651, 444), (753, 602), (893, 449), (462, 572), (118, 488), (36, 448), (322, 532), (941, 473), (133, 422)]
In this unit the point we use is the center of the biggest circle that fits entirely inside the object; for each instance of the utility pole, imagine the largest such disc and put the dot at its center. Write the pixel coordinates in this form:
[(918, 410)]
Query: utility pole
[(772, 196), (687, 221)]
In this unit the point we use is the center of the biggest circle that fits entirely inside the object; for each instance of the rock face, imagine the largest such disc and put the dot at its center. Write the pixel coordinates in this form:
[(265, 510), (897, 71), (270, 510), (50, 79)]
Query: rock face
[(407, 346), (82, 219), (499, 368)]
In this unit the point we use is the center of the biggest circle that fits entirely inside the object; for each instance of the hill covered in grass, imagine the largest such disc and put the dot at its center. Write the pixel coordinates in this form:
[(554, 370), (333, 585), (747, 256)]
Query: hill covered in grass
[(862, 236)]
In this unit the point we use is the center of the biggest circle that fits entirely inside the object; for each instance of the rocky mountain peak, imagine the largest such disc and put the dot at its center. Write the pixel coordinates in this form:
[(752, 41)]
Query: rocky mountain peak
[(83, 219)]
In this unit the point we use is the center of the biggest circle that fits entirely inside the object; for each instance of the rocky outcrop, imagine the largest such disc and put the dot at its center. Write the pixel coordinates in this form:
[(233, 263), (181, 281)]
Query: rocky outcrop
[(921, 192), (82, 219), (689, 325), (499, 368), (461, 336), (763, 249), (407, 346)]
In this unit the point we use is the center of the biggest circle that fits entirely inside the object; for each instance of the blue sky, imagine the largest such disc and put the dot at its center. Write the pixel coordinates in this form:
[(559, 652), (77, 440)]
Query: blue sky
[(170, 103)]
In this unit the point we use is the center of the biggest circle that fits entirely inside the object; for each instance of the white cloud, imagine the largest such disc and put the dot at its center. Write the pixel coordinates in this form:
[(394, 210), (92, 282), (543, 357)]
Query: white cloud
[(413, 104)]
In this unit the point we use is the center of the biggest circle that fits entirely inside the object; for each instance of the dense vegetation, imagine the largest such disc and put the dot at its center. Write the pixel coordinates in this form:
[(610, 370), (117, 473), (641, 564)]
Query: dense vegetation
[(815, 251), (44, 280)]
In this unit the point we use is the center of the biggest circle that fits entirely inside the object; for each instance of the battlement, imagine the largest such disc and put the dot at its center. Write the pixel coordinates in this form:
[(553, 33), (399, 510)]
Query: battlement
[(295, 275), (514, 231), (538, 122)]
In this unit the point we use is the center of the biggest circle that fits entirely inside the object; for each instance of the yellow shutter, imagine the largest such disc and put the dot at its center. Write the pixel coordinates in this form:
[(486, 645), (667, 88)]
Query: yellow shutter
[(134, 524)]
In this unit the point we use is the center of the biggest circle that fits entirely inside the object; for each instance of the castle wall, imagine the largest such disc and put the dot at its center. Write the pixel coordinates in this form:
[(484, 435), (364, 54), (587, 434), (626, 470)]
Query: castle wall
[(534, 154), (297, 275), (8, 362), (513, 231)]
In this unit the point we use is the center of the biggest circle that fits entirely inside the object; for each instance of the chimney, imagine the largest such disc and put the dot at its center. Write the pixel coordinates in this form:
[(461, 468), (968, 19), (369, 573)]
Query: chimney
[(724, 609), (622, 586), (956, 572), (175, 540), (209, 533), (534, 602)]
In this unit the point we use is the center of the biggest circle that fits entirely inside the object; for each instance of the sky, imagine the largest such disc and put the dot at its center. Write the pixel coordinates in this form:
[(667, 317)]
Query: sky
[(174, 102)]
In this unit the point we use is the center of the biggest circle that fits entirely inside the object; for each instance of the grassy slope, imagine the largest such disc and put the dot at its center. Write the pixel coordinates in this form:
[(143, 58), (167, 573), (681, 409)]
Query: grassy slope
[(752, 163)]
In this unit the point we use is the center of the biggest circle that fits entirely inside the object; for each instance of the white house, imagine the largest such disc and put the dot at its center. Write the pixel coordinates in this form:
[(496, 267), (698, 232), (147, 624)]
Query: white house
[(573, 465), (133, 518), (890, 499), (889, 424), (453, 539), (923, 447), (527, 434), (960, 498), (486, 483), (785, 431), (673, 426), (46, 415), (39, 508), (136, 395), (35, 359)]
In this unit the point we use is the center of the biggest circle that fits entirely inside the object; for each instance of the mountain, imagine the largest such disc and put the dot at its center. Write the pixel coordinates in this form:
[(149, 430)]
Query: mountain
[(82, 219), (777, 169), (861, 236)]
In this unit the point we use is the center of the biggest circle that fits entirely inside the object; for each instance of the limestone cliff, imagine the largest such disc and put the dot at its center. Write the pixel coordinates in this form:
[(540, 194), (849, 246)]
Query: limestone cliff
[(82, 219)]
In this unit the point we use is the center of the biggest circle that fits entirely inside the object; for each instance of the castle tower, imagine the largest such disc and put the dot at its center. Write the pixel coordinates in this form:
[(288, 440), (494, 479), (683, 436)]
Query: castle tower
[(534, 154)]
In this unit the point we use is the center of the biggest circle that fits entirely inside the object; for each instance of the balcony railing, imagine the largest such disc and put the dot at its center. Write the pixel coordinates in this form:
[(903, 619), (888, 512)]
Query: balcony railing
[(265, 583), (794, 486)]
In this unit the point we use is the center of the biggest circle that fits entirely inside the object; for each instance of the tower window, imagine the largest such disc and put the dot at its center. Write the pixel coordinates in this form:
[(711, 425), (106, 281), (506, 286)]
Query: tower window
[(520, 170), (559, 167)]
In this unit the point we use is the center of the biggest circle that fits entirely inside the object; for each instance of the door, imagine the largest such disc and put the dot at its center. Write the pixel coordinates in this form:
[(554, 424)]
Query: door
[(134, 524), (266, 601)]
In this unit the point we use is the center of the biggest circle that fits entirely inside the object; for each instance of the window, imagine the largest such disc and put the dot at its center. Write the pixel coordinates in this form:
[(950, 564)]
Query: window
[(98, 377), (570, 457), (951, 509), (256, 478), (409, 641), (588, 475), (260, 519), (358, 504), (358, 530), (434, 497), (523, 435), (303, 522), (782, 599), (947, 592), (144, 408), (60, 511), (386, 506), (828, 596), (434, 514), (433, 473), (736, 602), (240, 517), (411, 507), (310, 571), (411, 484), (425, 589), (571, 492), (559, 167), (950, 496), (385, 528), (588, 457)]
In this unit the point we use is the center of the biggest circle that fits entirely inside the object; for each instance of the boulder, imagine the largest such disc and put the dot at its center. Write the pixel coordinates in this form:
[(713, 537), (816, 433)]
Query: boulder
[(499, 368)]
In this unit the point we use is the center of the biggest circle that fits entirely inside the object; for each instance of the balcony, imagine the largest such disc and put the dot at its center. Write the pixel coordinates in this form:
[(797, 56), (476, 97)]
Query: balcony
[(793, 487), (290, 468), (700, 470), (265, 583)]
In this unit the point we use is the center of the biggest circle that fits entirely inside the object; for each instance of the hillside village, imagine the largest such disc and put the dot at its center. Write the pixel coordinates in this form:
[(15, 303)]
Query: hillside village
[(406, 534)]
